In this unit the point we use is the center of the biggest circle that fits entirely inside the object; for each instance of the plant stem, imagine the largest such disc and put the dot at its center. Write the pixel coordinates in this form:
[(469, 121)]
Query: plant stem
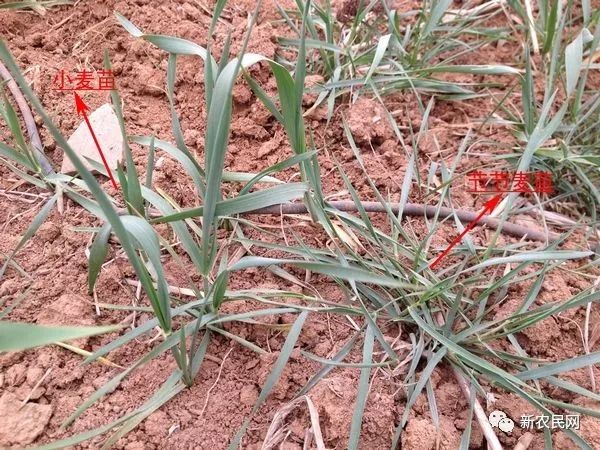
[(480, 415), (416, 209), (30, 125), (410, 209)]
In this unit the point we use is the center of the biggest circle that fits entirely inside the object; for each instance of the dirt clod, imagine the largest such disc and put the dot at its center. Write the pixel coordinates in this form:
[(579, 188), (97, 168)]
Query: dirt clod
[(21, 425), (420, 434), (248, 395), (368, 122)]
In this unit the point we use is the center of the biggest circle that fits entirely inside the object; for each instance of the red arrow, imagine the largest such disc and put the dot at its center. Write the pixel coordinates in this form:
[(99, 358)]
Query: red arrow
[(488, 206), (82, 108)]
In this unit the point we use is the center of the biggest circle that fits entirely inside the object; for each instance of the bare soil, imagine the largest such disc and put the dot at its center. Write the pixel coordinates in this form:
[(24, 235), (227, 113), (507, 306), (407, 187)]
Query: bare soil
[(209, 414)]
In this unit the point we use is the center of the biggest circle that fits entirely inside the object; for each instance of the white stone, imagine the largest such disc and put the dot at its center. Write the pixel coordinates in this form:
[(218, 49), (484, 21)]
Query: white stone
[(106, 127)]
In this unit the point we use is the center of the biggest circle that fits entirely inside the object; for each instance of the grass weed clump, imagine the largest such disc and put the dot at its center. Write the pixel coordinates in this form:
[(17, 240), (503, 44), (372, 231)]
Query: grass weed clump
[(449, 314), (378, 49), (566, 59)]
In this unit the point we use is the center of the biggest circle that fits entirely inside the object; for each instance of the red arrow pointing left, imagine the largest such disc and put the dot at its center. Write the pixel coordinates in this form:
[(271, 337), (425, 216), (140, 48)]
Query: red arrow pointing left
[(488, 207), (82, 109)]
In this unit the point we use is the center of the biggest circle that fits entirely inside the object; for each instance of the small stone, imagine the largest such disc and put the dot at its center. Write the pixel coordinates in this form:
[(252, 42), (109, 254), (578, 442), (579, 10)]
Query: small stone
[(252, 363), (35, 40), (420, 434), (8, 359), (248, 395), (34, 375), (266, 148), (44, 360), (9, 287), (117, 68), (50, 43), (106, 127), (191, 136), (241, 94), (37, 393), (21, 425), (367, 122), (16, 374), (48, 232), (152, 89)]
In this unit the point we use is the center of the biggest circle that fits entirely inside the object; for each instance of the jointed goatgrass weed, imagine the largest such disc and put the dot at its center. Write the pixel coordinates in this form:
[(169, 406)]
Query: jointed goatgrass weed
[(448, 315), (388, 51)]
